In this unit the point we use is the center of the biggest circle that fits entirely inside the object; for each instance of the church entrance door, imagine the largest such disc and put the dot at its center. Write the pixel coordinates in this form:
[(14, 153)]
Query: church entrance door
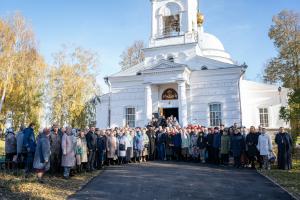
[(167, 112)]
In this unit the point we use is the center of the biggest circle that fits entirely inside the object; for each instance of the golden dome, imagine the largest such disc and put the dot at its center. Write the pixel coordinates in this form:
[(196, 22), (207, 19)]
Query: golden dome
[(200, 19)]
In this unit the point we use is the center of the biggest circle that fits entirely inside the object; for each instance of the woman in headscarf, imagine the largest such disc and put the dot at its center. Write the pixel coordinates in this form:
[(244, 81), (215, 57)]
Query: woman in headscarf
[(41, 161)]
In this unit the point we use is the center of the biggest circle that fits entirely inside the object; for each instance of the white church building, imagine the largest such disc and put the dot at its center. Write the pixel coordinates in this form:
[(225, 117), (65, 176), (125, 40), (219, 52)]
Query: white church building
[(188, 74)]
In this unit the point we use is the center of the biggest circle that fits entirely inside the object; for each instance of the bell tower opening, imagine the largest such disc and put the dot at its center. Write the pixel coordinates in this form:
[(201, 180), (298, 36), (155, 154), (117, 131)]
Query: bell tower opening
[(171, 25), (173, 22)]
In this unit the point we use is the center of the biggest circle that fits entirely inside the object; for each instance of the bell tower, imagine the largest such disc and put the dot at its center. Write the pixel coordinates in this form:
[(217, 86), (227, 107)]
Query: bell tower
[(173, 22)]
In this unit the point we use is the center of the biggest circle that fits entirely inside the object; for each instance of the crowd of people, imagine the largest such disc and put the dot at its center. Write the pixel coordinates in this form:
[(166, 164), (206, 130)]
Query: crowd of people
[(69, 151)]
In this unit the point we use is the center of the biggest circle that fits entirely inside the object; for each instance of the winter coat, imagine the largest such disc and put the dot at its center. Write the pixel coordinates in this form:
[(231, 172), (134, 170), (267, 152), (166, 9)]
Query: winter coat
[(78, 151), (55, 143), (29, 142), (121, 144), (111, 146), (146, 145), (42, 153), (264, 145), (91, 140), (169, 144), (177, 140), (194, 151), (68, 145), (237, 144), (194, 139), (138, 142), (19, 138), (251, 143), (202, 141), (225, 144), (84, 158), (10, 143), (152, 139), (129, 141), (101, 143), (210, 140), (161, 138), (217, 141), (185, 140)]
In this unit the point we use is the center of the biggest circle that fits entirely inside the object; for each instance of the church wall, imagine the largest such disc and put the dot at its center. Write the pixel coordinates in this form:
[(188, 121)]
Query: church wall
[(214, 87), (127, 94), (102, 112), (258, 95)]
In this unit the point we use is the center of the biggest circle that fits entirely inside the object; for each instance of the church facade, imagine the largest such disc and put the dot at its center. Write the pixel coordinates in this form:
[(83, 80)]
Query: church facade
[(188, 74)]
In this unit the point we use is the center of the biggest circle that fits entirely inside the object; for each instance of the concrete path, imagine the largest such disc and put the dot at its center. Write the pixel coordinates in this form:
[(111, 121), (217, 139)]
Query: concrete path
[(176, 181)]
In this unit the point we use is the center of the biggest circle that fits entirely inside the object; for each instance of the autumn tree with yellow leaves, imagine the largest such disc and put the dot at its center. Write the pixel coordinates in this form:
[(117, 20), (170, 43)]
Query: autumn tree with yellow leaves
[(72, 87), (22, 72)]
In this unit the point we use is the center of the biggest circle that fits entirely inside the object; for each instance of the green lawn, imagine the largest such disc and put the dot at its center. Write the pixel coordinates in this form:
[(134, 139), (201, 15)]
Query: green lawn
[(290, 180)]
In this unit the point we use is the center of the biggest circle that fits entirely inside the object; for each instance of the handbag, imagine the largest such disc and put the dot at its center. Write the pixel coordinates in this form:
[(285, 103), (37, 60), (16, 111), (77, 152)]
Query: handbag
[(272, 157), (122, 147)]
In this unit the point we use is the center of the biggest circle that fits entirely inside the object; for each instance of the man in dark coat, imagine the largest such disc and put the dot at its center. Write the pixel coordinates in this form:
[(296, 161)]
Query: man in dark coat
[(210, 150), (237, 146), (101, 148), (251, 142), (152, 137), (91, 139), (216, 145), (161, 143), (29, 144), (285, 145), (56, 151), (201, 144)]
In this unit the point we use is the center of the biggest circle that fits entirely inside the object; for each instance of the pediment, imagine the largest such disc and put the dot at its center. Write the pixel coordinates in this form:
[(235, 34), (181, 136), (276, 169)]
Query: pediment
[(164, 65)]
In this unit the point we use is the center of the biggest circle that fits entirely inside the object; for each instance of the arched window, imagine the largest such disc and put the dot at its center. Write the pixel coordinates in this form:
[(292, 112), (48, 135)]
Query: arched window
[(171, 14), (169, 94)]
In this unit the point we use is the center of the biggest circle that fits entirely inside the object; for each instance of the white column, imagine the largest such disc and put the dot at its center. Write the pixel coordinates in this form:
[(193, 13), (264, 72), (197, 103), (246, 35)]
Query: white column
[(182, 103), (148, 104)]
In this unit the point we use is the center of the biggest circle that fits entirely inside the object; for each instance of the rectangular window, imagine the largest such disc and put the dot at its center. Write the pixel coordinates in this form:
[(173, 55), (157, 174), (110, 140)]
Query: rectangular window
[(215, 114), (130, 116), (264, 117)]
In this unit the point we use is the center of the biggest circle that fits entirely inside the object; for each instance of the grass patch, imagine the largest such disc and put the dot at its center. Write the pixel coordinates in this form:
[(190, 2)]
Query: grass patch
[(17, 187), (290, 180)]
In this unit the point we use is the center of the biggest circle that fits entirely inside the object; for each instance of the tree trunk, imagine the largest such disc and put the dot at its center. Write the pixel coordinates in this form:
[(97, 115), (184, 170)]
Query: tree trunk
[(3, 98)]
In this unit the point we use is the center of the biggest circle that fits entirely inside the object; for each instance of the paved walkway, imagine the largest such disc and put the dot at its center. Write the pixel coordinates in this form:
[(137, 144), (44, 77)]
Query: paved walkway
[(176, 181)]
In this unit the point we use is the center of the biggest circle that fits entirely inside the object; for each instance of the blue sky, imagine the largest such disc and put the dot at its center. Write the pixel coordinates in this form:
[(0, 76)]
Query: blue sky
[(109, 26)]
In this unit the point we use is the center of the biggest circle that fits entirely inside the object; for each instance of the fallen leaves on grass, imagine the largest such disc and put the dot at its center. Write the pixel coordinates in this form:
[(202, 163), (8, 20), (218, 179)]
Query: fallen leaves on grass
[(17, 187)]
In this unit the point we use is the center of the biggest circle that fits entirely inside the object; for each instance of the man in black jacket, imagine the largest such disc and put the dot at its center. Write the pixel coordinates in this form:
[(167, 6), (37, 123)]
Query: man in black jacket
[(91, 139), (152, 147), (251, 142), (101, 148)]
